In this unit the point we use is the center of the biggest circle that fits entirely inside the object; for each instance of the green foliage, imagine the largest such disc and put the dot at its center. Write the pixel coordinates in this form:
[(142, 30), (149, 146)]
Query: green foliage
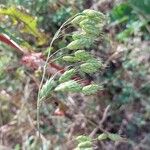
[(121, 11), (128, 15), (30, 23), (50, 14), (132, 28), (61, 15), (141, 6)]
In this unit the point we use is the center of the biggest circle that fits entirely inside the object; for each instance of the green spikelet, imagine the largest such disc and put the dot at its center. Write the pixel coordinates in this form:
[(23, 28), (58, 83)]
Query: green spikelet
[(83, 138), (91, 29), (114, 137), (76, 44), (83, 36), (91, 89), (67, 75), (82, 55), (88, 68), (87, 21), (84, 42), (86, 144), (78, 36), (69, 58), (102, 136), (47, 88), (78, 19), (94, 14), (69, 86), (96, 63)]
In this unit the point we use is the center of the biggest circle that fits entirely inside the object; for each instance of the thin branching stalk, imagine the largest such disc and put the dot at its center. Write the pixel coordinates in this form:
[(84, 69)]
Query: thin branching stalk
[(44, 69)]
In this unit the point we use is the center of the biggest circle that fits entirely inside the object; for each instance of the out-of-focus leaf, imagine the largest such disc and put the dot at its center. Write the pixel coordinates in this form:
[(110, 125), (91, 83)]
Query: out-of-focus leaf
[(4, 61), (30, 23), (61, 15), (120, 11), (123, 36), (131, 28), (141, 5), (145, 89)]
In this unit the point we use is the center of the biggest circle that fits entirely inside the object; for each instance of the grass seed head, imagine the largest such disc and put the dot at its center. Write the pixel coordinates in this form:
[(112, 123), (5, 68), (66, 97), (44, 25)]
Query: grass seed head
[(67, 75), (82, 55), (69, 86), (91, 89)]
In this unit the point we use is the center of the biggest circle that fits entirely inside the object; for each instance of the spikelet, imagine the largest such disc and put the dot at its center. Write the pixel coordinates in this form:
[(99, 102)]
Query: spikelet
[(91, 89), (96, 63), (88, 68), (102, 136), (69, 58), (90, 23), (77, 44), (86, 144), (47, 88), (115, 137), (78, 19), (94, 14), (82, 55), (67, 75), (91, 29), (83, 138), (69, 86), (83, 36), (84, 42), (87, 21), (78, 36)]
